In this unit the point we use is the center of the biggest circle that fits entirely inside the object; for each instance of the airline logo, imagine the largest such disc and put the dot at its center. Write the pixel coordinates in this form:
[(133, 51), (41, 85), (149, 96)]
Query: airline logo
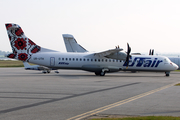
[(143, 62), (63, 63), (22, 47)]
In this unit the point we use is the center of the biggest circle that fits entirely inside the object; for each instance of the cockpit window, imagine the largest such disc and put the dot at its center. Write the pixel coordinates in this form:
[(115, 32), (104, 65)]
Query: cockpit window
[(167, 60)]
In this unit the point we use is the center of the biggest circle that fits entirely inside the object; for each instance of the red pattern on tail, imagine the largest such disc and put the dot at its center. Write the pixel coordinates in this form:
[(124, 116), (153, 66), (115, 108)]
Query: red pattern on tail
[(22, 47)]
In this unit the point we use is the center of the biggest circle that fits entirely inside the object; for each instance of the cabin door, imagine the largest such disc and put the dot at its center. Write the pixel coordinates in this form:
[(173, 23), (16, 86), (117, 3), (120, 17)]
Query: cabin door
[(52, 61)]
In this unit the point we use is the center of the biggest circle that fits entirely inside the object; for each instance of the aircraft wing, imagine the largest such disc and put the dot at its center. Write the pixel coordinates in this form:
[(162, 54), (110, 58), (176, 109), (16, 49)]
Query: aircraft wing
[(43, 68), (27, 66), (107, 52)]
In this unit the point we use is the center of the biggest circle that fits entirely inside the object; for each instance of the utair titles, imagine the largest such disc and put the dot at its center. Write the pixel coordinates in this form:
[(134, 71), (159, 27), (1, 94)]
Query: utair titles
[(143, 62)]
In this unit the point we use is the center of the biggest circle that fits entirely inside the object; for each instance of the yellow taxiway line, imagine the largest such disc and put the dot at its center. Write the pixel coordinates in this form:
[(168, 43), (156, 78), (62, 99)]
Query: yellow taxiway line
[(98, 110)]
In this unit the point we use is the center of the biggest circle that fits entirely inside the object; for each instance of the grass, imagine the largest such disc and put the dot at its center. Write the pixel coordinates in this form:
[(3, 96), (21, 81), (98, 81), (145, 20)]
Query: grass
[(11, 63), (142, 118), (177, 84)]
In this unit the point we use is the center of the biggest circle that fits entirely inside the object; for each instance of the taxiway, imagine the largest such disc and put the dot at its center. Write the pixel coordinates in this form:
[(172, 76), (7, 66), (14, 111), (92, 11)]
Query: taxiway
[(71, 94)]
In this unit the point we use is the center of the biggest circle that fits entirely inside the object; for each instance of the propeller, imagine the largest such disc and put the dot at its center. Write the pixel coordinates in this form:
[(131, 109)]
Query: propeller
[(128, 55), (151, 52), (117, 47)]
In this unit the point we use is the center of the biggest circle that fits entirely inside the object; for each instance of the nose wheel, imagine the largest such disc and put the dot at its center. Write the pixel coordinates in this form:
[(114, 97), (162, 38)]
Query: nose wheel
[(167, 74)]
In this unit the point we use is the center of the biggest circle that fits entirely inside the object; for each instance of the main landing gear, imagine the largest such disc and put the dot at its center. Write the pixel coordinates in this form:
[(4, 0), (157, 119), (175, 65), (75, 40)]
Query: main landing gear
[(46, 71), (101, 73)]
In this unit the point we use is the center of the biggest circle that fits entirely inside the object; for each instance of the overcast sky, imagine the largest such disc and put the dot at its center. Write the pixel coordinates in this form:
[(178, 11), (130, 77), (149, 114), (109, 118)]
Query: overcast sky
[(97, 25)]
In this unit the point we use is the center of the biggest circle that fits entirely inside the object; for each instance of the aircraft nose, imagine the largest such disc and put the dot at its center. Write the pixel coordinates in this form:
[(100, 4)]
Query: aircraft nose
[(175, 66)]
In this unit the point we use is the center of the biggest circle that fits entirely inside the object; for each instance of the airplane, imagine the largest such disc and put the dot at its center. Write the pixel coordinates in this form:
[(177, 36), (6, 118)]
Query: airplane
[(72, 46), (100, 63)]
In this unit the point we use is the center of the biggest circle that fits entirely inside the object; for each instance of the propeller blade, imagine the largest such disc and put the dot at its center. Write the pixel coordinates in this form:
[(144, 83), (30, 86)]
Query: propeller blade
[(128, 55), (150, 52)]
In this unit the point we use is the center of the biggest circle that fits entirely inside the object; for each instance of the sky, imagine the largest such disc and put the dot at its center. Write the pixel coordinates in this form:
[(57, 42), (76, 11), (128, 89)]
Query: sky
[(97, 25)]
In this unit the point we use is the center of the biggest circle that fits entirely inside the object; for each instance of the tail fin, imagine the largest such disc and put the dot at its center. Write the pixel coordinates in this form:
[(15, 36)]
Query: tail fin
[(22, 46), (71, 44)]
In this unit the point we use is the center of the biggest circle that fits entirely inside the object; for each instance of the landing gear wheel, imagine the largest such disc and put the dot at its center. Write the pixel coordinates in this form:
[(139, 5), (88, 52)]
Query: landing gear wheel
[(167, 74), (48, 71), (97, 73), (102, 73)]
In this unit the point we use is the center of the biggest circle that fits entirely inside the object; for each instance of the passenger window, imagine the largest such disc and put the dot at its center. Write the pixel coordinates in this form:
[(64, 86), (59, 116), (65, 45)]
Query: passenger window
[(62, 58), (76, 59)]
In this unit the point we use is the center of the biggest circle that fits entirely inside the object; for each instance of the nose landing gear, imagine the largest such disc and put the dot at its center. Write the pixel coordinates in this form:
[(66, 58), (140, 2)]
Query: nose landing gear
[(167, 74)]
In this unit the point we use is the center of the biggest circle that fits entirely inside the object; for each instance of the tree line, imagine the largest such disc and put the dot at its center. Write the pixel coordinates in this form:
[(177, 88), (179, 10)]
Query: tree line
[(4, 52)]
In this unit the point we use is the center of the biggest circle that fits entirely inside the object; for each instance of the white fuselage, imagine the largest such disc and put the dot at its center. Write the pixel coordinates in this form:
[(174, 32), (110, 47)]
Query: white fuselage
[(89, 62)]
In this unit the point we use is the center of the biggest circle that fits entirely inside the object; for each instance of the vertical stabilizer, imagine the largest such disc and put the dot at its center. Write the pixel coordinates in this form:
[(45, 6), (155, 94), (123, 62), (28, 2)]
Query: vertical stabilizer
[(22, 46), (71, 44)]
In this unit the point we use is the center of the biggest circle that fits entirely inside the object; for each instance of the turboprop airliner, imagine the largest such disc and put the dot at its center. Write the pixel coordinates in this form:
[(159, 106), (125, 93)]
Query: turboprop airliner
[(112, 60), (72, 46)]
